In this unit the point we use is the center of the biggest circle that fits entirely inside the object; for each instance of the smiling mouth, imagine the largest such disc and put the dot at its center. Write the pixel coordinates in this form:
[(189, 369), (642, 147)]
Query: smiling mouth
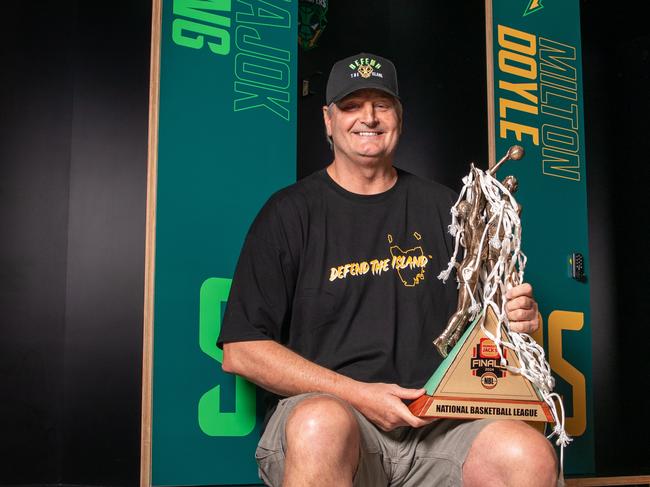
[(368, 133)]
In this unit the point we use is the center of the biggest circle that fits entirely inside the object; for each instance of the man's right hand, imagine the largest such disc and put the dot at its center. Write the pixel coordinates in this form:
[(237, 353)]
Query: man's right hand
[(382, 404)]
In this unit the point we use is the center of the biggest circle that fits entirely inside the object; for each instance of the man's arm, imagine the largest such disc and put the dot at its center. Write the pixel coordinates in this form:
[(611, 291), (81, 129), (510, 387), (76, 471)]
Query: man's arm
[(279, 370)]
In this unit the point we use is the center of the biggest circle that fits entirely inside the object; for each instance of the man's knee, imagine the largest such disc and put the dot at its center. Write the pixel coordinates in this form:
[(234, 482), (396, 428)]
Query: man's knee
[(322, 422), (513, 450)]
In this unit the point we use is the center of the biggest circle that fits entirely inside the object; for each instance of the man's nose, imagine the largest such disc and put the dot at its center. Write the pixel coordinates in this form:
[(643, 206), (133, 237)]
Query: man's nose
[(368, 115)]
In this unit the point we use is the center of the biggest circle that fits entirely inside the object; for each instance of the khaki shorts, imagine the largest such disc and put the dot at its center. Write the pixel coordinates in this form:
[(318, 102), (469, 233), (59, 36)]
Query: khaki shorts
[(432, 455)]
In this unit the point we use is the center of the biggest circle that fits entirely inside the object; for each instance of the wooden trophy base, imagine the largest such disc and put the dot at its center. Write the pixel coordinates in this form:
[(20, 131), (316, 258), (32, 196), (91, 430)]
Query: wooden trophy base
[(471, 384)]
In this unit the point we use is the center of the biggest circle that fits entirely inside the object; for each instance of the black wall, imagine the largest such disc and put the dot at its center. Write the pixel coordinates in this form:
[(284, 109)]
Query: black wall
[(73, 142), (616, 64), (73, 132), (35, 104)]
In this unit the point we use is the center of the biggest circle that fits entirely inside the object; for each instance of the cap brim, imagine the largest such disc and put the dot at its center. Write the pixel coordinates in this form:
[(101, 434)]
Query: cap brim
[(366, 86)]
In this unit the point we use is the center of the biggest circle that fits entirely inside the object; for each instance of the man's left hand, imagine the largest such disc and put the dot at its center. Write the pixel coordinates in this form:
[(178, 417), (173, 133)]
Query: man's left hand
[(522, 309)]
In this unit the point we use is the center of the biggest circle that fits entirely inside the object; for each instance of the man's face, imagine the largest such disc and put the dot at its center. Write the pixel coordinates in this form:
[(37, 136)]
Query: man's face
[(365, 126)]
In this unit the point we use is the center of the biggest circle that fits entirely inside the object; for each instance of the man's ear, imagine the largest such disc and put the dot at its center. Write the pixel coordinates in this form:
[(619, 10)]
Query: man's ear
[(327, 120)]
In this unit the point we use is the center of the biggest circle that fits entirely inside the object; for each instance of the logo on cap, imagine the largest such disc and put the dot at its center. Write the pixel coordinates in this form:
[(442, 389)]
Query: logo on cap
[(365, 70), (365, 67)]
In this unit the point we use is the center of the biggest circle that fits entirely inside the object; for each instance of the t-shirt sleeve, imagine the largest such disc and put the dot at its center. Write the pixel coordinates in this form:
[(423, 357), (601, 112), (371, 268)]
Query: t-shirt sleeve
[(260, 298)]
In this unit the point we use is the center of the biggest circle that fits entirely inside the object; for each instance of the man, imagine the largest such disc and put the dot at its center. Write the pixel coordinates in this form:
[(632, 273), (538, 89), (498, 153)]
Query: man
[(335, 304)]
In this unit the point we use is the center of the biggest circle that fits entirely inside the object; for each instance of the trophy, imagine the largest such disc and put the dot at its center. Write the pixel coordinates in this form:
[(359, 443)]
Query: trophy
[(475, 222), (488, 370)]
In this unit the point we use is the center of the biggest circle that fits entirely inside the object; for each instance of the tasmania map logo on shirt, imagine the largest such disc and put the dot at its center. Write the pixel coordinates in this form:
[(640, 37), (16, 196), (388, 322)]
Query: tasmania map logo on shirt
[(409, 265)]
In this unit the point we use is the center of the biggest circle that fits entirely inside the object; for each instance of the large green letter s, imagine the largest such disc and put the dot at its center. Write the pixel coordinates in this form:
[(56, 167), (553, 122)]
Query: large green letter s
[(212, 421)]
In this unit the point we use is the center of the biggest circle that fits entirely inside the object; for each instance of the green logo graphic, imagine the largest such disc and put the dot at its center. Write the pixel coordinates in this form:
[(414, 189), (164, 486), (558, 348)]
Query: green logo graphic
[(533, 6), (313, 20), (213, 422)]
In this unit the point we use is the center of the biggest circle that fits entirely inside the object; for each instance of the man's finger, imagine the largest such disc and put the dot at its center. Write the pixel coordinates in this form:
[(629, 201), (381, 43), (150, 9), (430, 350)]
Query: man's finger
[(414, 421), (405, 413), (404, 393), (522, 302), (524, 326), (524, 289), (521, 315)]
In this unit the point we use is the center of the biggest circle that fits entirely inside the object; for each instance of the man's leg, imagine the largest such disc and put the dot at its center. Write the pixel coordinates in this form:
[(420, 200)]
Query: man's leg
[(510, 453), (322, 443), (318, 439), (484, 452)]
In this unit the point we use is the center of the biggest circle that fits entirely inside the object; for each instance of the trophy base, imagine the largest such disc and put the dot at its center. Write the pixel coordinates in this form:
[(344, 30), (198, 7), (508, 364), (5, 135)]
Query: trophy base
[(462, 408), (471, 383)]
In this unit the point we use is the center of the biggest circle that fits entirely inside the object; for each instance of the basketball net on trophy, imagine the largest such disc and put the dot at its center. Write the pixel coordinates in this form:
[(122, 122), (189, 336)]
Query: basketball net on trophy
[(489, 371)]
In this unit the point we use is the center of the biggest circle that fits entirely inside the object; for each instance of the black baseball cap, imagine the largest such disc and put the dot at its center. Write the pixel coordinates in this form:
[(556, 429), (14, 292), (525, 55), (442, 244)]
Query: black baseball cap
[(358, 72)]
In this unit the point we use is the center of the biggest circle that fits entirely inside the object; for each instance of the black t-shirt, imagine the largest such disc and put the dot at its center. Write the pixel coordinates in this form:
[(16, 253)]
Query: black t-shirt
[(348, 281)]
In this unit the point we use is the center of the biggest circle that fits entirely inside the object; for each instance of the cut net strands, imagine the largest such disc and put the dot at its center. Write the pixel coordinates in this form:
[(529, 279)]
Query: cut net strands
[(501, 213)]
